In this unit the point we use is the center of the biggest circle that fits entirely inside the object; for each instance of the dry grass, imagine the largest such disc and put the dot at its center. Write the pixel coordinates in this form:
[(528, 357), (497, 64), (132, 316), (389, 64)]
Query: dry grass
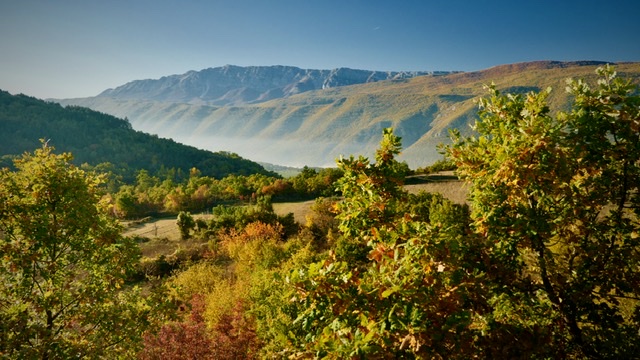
[(300, 209), (163, 236), (165, 228), (162, 246), (444, 183)]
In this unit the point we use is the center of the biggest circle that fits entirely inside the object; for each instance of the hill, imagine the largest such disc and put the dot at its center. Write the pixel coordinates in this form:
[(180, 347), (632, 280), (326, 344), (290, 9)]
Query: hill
[(95, 138), (315, 127)]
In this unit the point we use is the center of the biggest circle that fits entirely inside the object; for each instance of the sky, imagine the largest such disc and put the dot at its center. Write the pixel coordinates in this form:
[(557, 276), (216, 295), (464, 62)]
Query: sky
[(78, 48)]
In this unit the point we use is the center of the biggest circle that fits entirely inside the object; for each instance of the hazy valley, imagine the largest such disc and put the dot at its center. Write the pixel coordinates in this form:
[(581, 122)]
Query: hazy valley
[(285, 125)]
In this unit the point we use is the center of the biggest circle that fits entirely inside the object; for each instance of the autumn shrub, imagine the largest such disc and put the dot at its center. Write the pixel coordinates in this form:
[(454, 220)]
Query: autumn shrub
[(218, 322), (184, 256), (186, 339), (234, 336), (215, 283), (321, 223), (165, 265), (555, 198), (256, 246), (222, 298), (238, 216), (395, 285), (65, 264), (153, 267), (271, 295), (200, 278)]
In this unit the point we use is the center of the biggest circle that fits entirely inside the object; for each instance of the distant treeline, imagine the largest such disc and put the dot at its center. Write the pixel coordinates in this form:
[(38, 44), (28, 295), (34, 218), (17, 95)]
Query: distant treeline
[(153, 196)]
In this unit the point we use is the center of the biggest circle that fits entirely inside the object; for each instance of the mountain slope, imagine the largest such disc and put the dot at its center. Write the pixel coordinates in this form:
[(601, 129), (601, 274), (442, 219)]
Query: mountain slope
[(315, 127), (236, 85), (96, 138)]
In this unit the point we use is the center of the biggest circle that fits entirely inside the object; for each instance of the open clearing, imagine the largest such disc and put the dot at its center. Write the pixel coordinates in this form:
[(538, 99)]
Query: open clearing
[(163, 235), (163, 232), (444, 183), (299, 209)]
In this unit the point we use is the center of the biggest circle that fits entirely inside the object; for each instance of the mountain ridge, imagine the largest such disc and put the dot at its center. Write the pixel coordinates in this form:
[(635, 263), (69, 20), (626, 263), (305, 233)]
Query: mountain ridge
[(315, 127), (237, 85)]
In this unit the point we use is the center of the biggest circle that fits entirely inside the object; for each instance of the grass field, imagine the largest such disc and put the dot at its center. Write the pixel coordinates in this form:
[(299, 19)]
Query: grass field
[(299, 209), (445, 183)]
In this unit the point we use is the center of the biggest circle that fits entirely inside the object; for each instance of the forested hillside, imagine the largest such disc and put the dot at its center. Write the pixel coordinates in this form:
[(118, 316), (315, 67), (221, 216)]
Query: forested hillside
[(97, 138)]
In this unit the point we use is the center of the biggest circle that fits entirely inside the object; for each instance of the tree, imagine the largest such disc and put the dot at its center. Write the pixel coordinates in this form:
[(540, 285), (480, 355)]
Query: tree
[(64, 265), (545, 266), (557, 203), (399, 282), (126, 202), (185, 223)]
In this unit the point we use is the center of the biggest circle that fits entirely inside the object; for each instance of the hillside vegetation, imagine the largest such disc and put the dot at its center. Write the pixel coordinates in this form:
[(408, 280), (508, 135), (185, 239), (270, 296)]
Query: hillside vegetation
[(315, 127), (97, 138)]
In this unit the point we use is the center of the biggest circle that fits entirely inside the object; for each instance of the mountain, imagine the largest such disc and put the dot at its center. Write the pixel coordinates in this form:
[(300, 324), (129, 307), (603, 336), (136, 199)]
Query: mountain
[(317, 126), (235, 85), (95, 138)]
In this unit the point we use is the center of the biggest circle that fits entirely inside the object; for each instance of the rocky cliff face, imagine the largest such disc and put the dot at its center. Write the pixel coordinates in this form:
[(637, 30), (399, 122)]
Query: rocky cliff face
[(236, 85)]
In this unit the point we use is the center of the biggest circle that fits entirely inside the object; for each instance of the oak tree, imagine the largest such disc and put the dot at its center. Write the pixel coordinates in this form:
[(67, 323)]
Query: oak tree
[(398, 282), (556, 199), (63, 265)]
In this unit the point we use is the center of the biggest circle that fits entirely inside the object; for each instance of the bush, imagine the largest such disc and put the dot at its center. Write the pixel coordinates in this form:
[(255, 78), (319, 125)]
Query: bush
[(185, 224)]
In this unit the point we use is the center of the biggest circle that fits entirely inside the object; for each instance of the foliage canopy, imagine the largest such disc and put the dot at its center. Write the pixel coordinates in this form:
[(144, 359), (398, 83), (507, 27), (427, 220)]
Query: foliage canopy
[(543, 264), (556, 201), (64, 266)]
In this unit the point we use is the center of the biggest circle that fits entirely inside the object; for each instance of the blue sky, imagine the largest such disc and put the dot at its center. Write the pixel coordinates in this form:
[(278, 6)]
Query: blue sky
[(77, 48)]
